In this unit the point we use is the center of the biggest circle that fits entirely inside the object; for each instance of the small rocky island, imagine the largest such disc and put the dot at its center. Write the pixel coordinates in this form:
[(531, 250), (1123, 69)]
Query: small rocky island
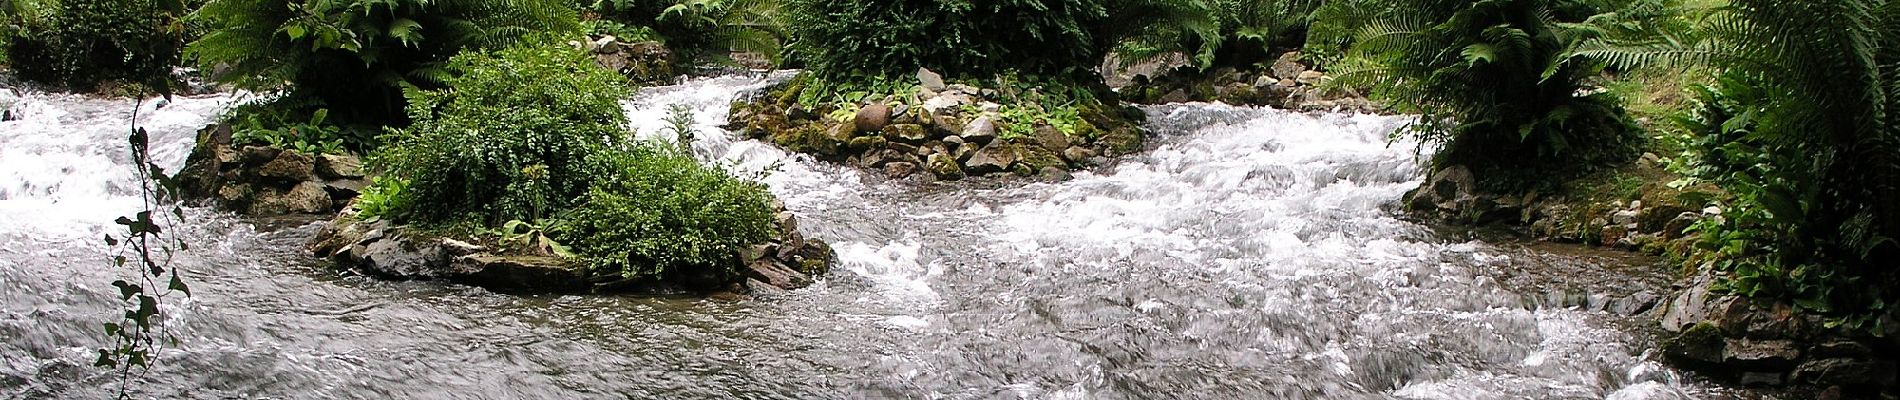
[(944, 131)]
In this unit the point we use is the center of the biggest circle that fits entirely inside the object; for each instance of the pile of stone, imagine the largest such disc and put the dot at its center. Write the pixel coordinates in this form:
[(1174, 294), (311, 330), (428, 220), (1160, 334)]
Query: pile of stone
[(378, 248), (941, 132), (263, 181), (1632, 224), (1286, 84), (1763, 343), (646, 62)]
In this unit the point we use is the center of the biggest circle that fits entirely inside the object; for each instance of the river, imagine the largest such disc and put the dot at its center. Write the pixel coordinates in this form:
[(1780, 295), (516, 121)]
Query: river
[(1248, 253)]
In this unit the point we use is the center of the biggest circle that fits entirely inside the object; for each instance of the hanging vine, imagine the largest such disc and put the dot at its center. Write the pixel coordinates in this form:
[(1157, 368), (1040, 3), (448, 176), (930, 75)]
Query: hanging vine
[(146, 250)]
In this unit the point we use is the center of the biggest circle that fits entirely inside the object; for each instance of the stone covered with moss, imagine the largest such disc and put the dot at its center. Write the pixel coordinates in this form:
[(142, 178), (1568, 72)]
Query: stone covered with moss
[(944, 131), (1288, 83)]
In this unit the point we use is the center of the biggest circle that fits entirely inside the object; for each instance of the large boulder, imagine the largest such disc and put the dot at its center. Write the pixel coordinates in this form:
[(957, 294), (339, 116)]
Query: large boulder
[(982, 130), (337, 166), (1051, 138), (930, 80), (995, 158), (292, 166), (872, 118), (1288, 66)]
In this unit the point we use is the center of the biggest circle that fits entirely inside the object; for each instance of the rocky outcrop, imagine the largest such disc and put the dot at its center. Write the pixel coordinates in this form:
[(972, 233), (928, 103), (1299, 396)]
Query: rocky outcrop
[(1645, 216), (942, 132), (646, 62), (267, 181), (379, 248), (1770, 344), (1286, 84)]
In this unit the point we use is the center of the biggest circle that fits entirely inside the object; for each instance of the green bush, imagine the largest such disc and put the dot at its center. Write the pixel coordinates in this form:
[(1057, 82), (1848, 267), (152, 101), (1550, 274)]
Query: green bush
[(356, 57), (515, 139), (1222, 32), (1497, 84), (82, 43), (295, 124), (1803, 129), (661, 216), (695, 29), (865, 38)]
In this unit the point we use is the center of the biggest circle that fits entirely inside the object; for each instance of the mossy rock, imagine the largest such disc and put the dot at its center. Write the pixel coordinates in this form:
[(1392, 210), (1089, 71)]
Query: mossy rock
[(811, 139), (863, 144), (906, 133), (1123, 140), (1036, 158), (1700, 344), (1087, 131), (944, 167), (789, 95)]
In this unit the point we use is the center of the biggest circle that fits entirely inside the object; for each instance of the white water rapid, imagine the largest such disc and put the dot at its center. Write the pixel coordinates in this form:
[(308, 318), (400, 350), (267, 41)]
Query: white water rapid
[(1248, 253)]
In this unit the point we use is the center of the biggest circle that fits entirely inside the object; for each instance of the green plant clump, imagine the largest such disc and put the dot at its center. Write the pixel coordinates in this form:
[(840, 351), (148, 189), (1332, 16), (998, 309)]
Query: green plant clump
[(872, 38), (664, 217), (1220, 32), (356, 57), (516, 138), (82, 43), (1803, 129), (695, 29), (1497, 83)]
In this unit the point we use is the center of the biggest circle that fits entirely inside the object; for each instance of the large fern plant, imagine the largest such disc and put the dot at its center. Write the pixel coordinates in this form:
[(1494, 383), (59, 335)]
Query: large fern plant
[(358, 55), (705, 30), (1804, 129), (1496, 81)]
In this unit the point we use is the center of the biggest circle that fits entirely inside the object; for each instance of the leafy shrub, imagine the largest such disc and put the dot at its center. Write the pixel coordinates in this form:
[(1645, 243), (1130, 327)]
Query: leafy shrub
[(1804, 130), (866, 38), (82, 43), (696, 29), (290, 124), (514, 139), (383, 197), (357, 56), (664, 217), (1492, 78), (1222, 32)]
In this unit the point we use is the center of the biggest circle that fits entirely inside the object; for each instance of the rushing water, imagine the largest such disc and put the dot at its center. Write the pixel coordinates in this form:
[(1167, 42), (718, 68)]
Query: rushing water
[(1250, 253)]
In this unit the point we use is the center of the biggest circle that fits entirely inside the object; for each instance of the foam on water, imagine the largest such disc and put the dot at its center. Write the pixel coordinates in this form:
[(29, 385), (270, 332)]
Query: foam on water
[(1247, 253), (63, 160)]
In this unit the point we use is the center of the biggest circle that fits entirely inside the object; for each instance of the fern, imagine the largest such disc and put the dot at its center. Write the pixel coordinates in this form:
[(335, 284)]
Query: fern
[(1502, 70), (1802, 129), (357, 55)]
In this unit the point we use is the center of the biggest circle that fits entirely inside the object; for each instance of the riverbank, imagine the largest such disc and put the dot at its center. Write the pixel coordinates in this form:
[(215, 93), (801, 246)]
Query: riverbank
[(1646, 209)]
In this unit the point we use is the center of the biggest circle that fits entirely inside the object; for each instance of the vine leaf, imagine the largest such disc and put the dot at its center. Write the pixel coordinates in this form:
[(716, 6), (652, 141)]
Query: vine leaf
[(127, 290), (178, 285)]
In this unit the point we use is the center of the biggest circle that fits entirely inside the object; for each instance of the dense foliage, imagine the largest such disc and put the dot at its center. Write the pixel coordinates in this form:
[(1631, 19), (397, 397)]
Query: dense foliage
[(1220, 32), (868, 38), (82, 43), (1492, 78), (1803, 128), (355, 57), (516, 139), (694, 29), (662, 216)]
